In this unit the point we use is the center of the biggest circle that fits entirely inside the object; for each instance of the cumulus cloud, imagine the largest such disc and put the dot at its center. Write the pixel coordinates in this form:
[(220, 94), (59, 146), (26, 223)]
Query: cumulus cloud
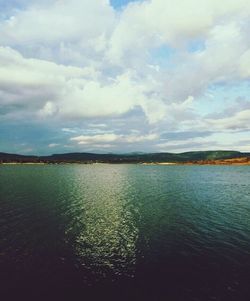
[(80, 63), (70, 92), (152, 23), (60, 30), (237, 121)]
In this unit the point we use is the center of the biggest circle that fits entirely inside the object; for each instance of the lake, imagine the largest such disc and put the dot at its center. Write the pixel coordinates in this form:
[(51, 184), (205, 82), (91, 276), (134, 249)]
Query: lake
[(127, 232)]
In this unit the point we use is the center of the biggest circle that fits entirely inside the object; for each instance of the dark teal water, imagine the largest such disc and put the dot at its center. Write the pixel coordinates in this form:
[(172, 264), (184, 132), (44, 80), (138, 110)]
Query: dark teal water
[(127, 232)]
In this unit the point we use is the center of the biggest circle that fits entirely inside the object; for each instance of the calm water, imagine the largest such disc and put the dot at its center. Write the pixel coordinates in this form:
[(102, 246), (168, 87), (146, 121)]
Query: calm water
[(127, 232)]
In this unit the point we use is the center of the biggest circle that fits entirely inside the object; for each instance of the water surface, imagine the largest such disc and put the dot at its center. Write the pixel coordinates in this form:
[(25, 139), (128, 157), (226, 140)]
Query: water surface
[(135, 232)]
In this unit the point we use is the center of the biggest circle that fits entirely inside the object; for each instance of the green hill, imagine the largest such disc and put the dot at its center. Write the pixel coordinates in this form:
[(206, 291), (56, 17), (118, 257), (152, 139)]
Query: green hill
[(124, 158)]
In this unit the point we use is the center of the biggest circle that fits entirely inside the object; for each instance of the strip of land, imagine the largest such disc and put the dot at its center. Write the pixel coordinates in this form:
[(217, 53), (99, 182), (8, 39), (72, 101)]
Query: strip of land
[(218, 157)]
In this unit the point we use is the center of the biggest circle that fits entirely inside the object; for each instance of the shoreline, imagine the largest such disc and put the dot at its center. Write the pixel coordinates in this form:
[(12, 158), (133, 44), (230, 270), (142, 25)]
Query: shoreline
[(225, 163)]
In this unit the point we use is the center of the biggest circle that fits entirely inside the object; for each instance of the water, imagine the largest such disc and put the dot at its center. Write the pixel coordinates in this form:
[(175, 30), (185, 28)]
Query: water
[(127, 232)]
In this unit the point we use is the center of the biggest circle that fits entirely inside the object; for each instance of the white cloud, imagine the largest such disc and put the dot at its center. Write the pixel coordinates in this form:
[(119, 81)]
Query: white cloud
[(49, 109), (68, 92), (58, 29), (95, 139), (51, 145), (78, 63), (244, 64), (112, 138), (68, 130), (152, 23), (97, 125), (240, 120), (76, 92)]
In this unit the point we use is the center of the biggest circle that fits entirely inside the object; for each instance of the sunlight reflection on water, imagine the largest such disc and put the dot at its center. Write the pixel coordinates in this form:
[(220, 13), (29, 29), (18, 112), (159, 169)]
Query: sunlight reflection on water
[(105, 227)]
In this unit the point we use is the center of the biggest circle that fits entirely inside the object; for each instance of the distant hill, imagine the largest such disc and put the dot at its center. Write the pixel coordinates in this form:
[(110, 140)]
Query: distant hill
[(125, 158), (5, 157)]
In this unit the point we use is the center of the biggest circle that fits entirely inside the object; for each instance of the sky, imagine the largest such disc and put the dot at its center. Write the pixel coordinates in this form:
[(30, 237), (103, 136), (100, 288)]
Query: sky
[(124, 76)]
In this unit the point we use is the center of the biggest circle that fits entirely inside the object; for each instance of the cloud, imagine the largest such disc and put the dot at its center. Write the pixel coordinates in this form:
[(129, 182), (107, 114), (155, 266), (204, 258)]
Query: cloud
[(83, 67), (51, 145), (238, 121), (49, 89), (68, 130), (112, 138), (97, 125), (152, 23), (169, 136), (29, 28), (95, 139)]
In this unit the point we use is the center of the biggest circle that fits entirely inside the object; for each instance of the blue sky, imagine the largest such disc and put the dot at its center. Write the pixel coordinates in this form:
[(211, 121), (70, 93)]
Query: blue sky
[(105, 76), (117, 4)]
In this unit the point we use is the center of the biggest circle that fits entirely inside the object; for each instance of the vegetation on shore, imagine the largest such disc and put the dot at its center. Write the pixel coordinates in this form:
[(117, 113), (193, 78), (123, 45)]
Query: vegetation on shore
[(219, 157)]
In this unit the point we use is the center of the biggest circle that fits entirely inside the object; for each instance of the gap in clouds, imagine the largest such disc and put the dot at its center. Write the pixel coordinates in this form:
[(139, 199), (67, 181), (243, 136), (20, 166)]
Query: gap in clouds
[(118, 4)]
